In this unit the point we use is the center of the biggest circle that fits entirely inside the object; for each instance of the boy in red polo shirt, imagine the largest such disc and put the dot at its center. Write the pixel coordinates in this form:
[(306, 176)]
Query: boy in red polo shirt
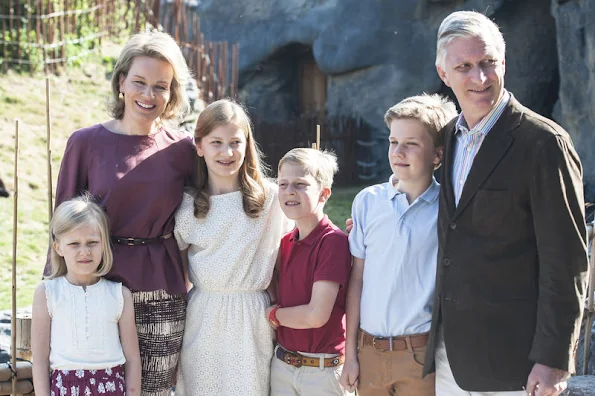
[(313, 266)]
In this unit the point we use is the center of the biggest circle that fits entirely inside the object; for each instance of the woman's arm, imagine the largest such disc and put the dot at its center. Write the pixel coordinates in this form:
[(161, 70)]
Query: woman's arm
[(185, 266), (129, 340), (40, 342)]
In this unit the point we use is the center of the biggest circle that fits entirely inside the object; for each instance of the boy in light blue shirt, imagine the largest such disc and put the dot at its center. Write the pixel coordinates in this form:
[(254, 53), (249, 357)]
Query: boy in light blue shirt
[(394, 244)]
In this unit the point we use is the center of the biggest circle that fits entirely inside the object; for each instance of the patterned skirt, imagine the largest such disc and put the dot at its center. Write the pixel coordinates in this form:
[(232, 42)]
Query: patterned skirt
[(160, 326), (88, 382)]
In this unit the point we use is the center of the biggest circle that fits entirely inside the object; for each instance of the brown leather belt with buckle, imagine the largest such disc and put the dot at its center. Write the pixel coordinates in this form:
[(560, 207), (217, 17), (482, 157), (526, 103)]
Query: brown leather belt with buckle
[(139, 241), (299, 360), (399, 343)]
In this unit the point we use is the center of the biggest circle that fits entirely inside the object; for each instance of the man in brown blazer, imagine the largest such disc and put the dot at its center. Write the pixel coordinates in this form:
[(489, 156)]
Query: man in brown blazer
[(512, 258)]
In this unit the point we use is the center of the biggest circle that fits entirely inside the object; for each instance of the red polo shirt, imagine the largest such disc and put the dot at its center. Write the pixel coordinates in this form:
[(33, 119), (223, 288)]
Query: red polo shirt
[(322, 256)]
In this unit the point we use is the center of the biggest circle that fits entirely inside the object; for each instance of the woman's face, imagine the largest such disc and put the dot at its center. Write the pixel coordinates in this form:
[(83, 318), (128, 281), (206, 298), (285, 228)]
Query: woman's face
[(146, 88)]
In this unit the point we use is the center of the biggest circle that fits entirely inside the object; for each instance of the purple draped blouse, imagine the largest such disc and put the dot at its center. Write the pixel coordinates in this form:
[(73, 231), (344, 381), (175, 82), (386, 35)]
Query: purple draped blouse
[(139, 181)]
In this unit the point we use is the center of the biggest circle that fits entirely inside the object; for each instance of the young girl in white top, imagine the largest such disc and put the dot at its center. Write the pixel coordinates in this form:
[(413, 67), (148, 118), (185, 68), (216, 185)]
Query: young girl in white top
[(231, 226), (83, 325)]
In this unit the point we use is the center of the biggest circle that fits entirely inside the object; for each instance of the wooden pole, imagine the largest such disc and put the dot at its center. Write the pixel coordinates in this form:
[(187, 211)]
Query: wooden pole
[(13, 321), (318, 136), (49, 145), (590, 306)]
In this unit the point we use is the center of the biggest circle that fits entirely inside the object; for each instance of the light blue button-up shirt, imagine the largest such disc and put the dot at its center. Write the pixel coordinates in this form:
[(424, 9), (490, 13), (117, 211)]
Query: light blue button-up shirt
[(399, 243)]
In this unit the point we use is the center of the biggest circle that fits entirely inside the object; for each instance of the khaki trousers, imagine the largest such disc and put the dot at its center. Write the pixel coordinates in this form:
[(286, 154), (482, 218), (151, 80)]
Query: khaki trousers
[(394, 373), (288, 380)]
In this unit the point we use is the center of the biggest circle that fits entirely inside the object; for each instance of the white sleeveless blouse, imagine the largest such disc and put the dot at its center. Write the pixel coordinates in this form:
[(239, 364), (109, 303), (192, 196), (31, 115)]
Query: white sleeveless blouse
[(84, 328)]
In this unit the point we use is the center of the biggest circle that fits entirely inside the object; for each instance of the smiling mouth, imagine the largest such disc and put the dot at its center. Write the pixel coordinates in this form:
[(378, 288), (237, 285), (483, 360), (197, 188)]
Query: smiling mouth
[(292, 203), (480, 90), (225, 163), (145, 106)]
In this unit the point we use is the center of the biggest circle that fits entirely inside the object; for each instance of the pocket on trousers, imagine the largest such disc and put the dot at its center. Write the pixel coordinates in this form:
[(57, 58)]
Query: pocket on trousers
[(419, 355)]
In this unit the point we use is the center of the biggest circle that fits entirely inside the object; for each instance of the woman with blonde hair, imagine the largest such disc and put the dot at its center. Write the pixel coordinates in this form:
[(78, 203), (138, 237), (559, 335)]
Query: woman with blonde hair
[(135, 166)]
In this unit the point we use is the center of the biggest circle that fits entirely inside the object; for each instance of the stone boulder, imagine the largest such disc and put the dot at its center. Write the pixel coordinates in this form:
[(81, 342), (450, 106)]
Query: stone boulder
[(374, 53), (580, 386), (574, 110)]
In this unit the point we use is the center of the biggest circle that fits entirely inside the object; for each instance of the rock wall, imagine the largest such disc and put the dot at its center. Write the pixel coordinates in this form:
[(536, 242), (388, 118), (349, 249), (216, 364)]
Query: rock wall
[(374, 53), (575, 109)]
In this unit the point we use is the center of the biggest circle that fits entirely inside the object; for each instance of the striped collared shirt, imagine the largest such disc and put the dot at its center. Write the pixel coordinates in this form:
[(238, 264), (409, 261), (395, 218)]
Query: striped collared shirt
[(468, 142)]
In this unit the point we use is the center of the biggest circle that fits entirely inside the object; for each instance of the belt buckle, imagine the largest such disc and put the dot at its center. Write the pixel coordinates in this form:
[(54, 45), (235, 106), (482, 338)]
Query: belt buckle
[(130, 241), (390, 344)]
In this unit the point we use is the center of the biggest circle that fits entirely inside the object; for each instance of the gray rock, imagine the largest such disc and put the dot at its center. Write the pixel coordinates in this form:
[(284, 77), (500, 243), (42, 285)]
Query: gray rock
[(374, 53), (574, 110), (580, 386), (580, 353)]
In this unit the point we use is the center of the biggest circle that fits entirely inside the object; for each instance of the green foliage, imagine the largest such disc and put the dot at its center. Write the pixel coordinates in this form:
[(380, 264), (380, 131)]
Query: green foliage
[(24, 50)]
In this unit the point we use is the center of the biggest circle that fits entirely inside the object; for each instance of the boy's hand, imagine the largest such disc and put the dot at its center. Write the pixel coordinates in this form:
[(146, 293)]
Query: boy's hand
[(350, 375), (348, 225), (267, 312)]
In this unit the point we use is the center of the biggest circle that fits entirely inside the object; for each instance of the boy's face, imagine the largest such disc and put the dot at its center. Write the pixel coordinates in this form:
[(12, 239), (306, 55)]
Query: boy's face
[(411, 151), (300, 195)]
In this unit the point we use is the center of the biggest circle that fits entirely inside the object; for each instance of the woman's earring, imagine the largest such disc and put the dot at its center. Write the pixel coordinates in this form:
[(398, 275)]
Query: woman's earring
[(121, 96)]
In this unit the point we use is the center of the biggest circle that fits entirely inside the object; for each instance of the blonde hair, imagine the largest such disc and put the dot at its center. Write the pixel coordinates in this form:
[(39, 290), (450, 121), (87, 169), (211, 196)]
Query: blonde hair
[(161, 46), (468, 24), (322, 165), (71, 215), (433, 111), (252, 173)]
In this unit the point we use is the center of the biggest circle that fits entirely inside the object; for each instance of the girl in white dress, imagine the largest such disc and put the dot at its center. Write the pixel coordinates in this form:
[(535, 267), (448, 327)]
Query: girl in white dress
[(231, 226), (83, 325)]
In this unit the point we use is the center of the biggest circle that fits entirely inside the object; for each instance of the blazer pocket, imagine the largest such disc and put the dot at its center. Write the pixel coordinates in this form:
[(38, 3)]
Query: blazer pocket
[(491, 212)]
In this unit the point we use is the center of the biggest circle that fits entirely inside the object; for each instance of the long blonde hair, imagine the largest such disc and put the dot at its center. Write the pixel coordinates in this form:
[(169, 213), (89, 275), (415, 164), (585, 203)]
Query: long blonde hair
[(70, 215), (252, 173)]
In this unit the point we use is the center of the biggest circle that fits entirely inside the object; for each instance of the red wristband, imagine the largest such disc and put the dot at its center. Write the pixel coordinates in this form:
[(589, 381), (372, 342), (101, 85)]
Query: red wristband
[(273, 317)]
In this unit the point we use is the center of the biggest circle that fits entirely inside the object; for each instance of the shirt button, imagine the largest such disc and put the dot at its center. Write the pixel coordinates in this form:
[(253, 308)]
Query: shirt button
[(461, 181), (446, 262), (453, 226)]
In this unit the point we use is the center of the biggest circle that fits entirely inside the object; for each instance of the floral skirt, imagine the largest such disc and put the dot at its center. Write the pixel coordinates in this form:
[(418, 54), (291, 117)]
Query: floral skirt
[(88, 382)]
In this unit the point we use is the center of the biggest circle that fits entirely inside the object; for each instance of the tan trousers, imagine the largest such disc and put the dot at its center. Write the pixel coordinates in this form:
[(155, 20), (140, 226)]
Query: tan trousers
[(445, 380), (288, 380), (394, 373)]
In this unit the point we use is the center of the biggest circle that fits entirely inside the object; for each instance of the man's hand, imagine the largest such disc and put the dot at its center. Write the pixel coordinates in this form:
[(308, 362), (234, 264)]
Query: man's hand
[(348, 225), (267, 312), (350, 375), (546, 381)]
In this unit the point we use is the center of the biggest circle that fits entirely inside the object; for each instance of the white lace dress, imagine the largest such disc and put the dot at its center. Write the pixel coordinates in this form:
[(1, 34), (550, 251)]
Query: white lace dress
[(227, 341)]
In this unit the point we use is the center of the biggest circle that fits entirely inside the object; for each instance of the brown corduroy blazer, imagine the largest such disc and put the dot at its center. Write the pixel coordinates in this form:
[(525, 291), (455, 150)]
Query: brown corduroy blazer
[(512, 259)]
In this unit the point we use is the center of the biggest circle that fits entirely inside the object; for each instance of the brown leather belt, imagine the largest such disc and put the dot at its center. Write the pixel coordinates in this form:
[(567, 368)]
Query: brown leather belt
[(139, 241), (299, 360), (400, 343)]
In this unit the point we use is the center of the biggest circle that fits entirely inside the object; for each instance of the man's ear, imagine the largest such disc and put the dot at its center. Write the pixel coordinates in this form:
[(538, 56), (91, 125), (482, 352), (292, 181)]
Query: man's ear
[(439, 156), (325, 194), (442, 75)]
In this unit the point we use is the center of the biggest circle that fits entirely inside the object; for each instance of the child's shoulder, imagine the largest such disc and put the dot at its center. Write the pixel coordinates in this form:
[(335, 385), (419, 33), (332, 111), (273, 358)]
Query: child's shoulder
[(333, 234), (375, 192)]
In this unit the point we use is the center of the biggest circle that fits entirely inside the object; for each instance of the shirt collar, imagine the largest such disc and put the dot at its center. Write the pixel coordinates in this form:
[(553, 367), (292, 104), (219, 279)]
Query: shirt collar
[(430, 195), (486, 122), (313, 236)]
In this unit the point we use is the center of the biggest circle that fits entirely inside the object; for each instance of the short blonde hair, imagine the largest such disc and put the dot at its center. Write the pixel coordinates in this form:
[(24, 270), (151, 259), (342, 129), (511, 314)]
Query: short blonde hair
[(321, 164), (161, 46), (468, 24), (70, 215), (433, 111), (253, 171)]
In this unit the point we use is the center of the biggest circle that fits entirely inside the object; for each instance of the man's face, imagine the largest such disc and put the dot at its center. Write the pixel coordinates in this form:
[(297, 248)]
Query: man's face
[(474, 70)]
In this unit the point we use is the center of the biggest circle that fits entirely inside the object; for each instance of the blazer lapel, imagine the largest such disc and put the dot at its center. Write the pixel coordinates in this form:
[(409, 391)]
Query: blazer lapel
[(447, 167), (493, 149)]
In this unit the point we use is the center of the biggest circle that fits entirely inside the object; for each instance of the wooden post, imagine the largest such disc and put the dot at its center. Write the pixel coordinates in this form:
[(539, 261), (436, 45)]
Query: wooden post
[(23, 336), (13, 322), (318, 136), (590, 306), (49, 146)]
